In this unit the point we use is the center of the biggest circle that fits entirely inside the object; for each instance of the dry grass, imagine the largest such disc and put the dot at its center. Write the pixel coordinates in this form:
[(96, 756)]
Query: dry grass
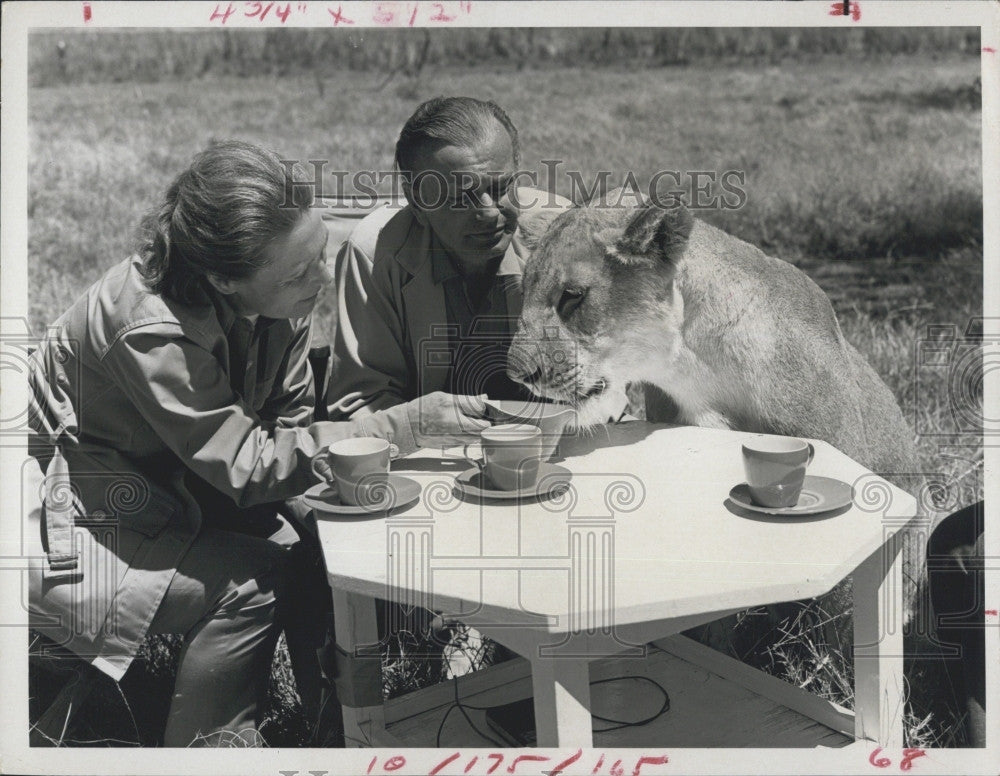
[(106, 55), (869, 180), (101, 155)]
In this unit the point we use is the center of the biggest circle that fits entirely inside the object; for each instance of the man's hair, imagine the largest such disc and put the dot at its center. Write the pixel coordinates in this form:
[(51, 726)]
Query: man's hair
[(449, 121), (218, 216)]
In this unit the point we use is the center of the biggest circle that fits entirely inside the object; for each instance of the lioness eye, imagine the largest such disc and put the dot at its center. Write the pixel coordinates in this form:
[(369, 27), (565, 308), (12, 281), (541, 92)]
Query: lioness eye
[(569, 301)]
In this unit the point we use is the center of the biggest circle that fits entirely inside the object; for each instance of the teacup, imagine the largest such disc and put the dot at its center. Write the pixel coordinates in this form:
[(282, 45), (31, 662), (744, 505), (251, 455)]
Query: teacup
[(353, 465), (776, 468), (511, 455), (551, 419)]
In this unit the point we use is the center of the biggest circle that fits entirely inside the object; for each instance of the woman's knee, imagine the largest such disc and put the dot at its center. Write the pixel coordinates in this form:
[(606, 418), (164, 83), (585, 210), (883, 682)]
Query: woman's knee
[(222, 573), (256, 585)]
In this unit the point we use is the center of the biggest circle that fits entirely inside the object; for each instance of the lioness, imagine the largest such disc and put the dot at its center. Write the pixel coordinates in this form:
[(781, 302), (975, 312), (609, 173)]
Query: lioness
[(734, 338)]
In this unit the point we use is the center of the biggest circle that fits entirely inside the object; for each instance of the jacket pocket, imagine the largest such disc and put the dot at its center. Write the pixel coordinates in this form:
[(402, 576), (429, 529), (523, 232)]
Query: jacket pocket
[(154, 515), (130, 498)]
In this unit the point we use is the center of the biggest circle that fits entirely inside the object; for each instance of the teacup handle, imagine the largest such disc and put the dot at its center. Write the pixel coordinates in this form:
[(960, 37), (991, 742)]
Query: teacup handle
[(480, 462), (812, 452), (322, 469)]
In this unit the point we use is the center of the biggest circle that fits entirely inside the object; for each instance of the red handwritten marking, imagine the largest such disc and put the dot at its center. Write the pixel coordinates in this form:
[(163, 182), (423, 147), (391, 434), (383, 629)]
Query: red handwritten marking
[(437, 768), (881, 762), (644, 760), (989, 50), (413, 16), (283, 14), (990, 612), (383, 15), (338, 16), (909, 755), (538, 758), (841, 9), (441, 16), (86, 12), (565, 763), (398, 762), (224, 14)]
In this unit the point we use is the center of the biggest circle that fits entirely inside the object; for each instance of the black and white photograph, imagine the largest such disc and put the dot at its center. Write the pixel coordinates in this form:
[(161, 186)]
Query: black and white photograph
[(480, 387)]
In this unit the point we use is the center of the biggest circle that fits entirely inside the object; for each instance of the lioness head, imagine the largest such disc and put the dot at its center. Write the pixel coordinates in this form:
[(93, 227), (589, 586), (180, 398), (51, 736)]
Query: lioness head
[(598, 291)]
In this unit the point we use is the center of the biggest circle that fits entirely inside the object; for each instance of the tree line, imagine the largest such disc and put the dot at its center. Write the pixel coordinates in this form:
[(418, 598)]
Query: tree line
[(77, 56)]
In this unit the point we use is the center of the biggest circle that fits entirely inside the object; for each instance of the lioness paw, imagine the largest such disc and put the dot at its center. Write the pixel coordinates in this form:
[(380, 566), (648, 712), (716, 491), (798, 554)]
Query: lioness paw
[(711, 419)]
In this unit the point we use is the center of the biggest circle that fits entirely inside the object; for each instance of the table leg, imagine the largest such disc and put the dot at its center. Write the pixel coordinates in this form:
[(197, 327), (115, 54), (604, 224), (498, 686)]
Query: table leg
[(562, 701), (355, 625), (878, 647)]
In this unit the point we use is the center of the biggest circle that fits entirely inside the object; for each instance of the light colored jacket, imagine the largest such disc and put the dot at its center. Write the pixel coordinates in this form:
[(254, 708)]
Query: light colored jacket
[(133, 395), (391, 337)]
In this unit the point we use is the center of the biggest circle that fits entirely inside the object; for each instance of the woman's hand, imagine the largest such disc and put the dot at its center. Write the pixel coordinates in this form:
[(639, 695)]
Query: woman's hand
[(442, 419)]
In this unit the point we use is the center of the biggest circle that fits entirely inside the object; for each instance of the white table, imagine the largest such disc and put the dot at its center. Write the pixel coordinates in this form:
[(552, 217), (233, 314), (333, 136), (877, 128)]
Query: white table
[(642, 546)]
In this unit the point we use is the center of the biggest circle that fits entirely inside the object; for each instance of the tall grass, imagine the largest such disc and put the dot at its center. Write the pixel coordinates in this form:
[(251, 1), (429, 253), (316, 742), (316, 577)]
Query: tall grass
[(865, 175), (72, 56)]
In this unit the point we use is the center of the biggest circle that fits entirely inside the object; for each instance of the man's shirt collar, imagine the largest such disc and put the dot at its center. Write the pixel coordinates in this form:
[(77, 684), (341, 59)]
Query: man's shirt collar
[(443, 267)]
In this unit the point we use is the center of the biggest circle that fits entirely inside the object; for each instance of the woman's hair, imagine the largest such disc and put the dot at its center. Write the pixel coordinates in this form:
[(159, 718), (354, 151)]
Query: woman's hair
[(218, 216), (449, 121)]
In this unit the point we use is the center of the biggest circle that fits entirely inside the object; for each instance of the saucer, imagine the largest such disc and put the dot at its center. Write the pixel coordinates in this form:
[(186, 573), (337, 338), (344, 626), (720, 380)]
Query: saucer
[(819, 494), (398, 491), (550, 478)]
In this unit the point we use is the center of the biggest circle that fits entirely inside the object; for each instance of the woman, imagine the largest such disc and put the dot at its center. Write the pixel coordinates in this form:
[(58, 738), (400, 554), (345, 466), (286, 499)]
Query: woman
[(173, 418)]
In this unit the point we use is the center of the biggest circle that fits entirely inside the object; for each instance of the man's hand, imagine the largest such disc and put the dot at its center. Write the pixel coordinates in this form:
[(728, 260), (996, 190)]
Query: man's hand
[(442, 419)]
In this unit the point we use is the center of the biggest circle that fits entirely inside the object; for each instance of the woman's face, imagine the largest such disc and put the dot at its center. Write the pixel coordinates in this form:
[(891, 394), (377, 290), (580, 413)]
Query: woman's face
[(288, 285)]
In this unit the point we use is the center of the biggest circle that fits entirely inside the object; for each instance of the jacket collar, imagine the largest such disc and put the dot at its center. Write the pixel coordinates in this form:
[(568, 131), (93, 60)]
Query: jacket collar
[(423, 296), (227, 315), (443, 268)]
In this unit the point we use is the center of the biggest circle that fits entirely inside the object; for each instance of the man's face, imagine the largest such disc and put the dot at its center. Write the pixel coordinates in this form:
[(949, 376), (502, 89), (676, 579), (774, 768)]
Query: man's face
[(473, 217), (289, 283)]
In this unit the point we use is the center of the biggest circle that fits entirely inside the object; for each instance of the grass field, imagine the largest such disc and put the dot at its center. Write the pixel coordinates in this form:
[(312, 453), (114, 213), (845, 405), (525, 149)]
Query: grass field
[(866, 174)]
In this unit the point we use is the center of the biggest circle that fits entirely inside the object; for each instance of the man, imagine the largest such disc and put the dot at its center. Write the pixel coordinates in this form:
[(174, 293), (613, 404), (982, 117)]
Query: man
[(429, 295)]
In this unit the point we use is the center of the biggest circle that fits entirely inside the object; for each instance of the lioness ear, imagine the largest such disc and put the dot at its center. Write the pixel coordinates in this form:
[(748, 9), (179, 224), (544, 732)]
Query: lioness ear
[(654, 232)]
